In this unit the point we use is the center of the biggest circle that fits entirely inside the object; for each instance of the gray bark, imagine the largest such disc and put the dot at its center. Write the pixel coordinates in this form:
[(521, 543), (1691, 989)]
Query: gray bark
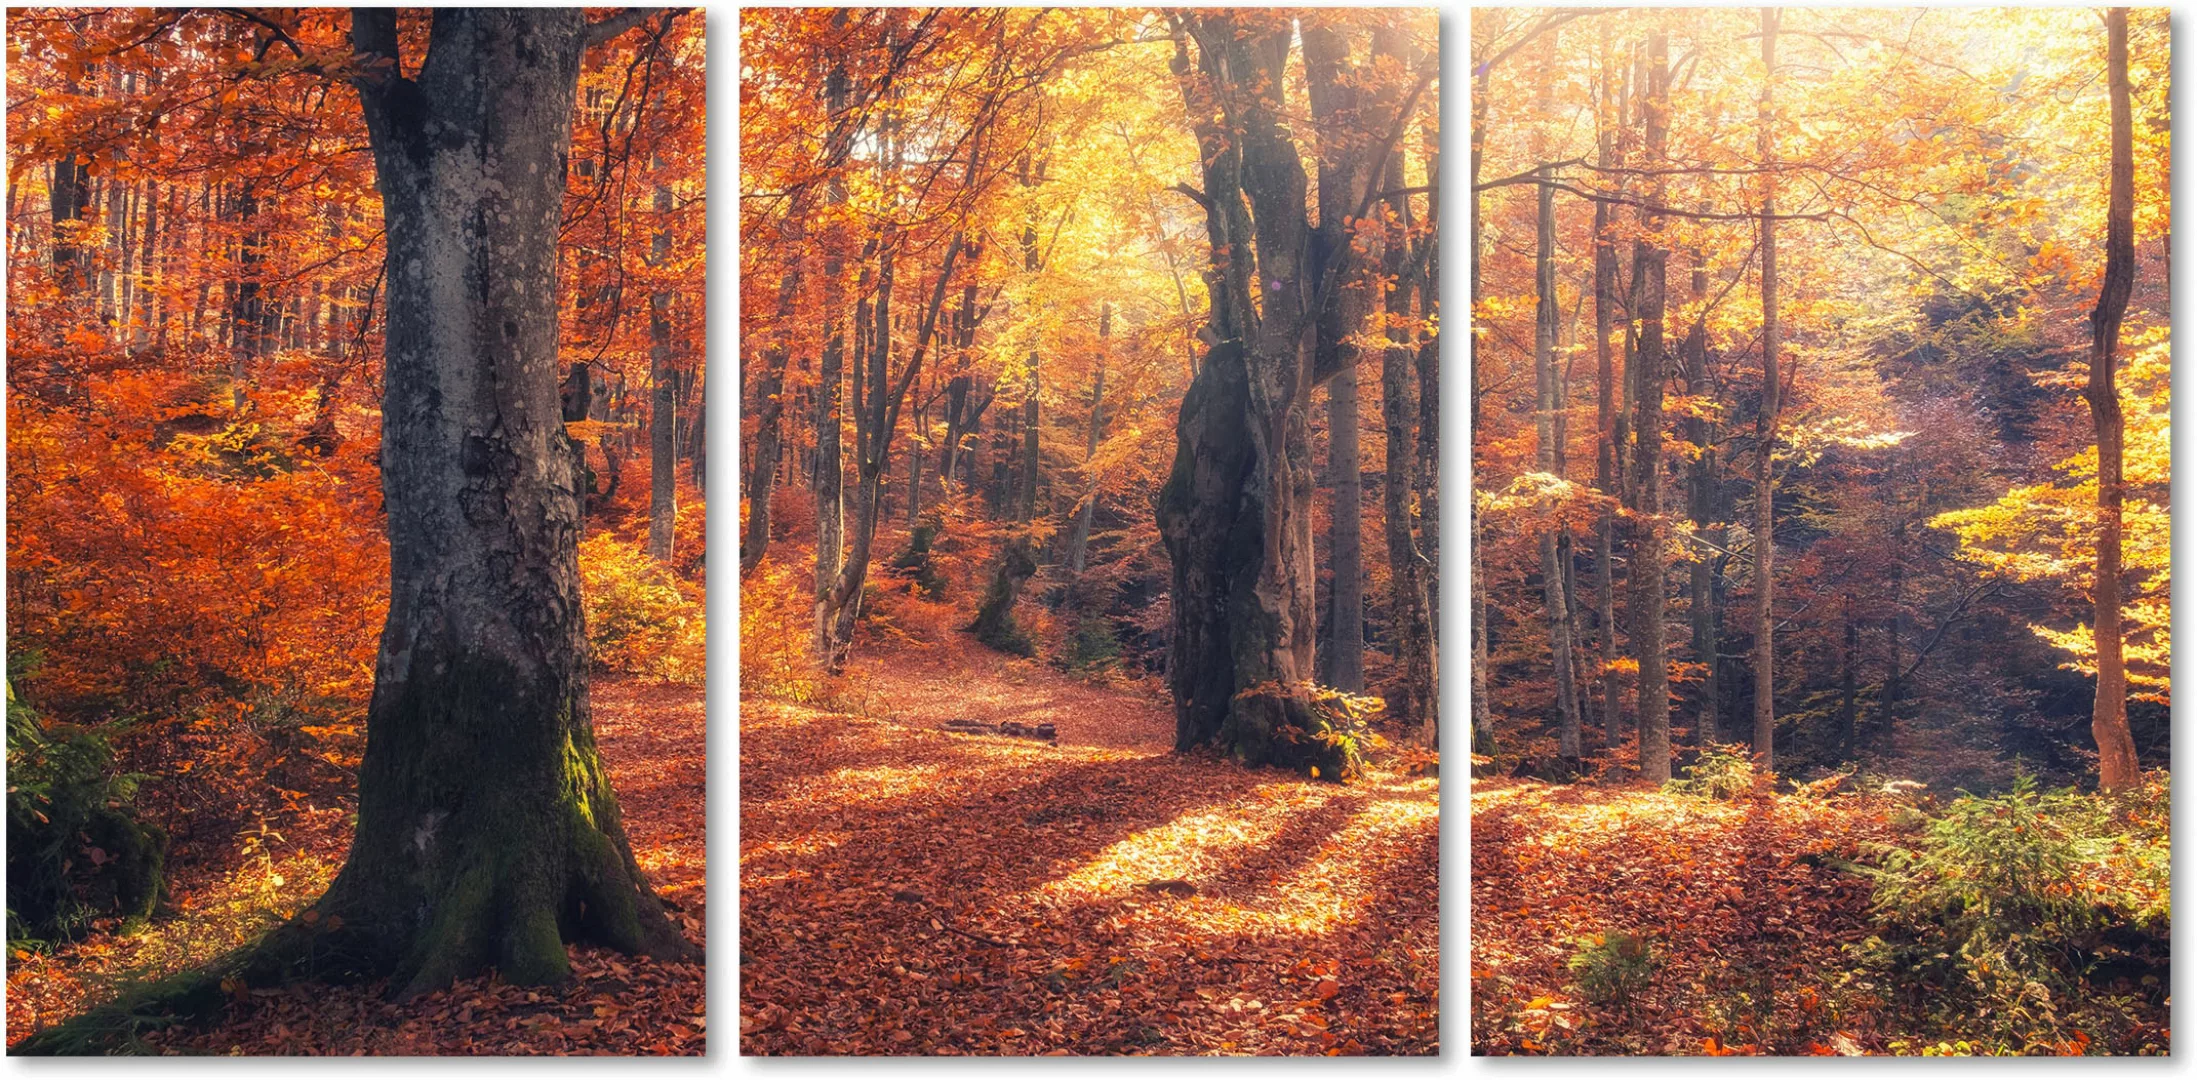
[(663, 413), (488, 834)]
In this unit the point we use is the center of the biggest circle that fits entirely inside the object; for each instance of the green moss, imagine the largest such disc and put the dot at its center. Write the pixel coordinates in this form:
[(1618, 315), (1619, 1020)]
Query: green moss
[(450, 947), (533, 951)]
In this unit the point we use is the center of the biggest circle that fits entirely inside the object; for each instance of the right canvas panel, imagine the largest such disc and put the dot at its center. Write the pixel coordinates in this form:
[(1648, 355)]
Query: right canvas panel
[(1820, 643)]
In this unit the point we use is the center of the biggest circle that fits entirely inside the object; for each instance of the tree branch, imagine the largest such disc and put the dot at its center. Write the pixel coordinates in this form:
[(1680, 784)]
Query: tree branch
[(603, 31)]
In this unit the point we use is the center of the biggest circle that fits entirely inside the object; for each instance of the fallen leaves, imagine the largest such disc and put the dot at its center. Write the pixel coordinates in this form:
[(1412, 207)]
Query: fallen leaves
[(1104, 896), (652, 739), (1743, 918)]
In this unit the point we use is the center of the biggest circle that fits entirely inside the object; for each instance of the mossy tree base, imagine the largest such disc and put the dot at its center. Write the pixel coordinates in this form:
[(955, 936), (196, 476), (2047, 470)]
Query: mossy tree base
[(995, 614)]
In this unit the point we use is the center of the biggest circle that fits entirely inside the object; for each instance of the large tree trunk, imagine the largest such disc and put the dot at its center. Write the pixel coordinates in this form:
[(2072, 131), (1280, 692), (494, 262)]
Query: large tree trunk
[(2109, 718), (1650, 529), (1766, 434), (488, 834), (1235, 510), (1549, 458)]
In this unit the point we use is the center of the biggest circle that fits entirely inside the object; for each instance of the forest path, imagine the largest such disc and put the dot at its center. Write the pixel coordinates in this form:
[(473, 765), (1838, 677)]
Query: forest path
[(961, 680), (1745, 924), (652, 741), (906, 890)]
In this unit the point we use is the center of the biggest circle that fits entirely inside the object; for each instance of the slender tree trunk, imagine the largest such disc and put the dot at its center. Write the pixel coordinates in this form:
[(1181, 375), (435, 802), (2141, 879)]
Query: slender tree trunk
[(874, 426), (1411, 432), (488, 834), (1556, 604), (1651, 529), (1427, 474), (1607, 429), (995, 614), (663, 413), (1483, 722), (1701, 508), (1079, 539), (1345, 668), (70, 196), (830, 462), (994, 624), (1423, 643), (770, 408), (1332, 90), (918, 434), (2117, 769), (1766, 429)]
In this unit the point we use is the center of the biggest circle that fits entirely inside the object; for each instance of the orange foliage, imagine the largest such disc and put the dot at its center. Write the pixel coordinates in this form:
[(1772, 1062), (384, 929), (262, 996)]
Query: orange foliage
[(163, 555)]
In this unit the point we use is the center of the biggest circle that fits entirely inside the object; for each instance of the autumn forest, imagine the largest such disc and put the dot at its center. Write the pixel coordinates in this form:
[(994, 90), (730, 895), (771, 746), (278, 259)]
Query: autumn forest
[(1090, 379), (1807, 650), (1820, 398), (355, 558)]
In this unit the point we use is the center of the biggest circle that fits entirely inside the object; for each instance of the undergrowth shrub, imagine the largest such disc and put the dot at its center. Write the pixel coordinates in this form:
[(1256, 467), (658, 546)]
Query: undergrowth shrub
[(1724, 771), (1092, 648), (640, 620), (77, 854), (2025, 902), (913, 562), (1344, 723), (774, 635), (1612, 967)]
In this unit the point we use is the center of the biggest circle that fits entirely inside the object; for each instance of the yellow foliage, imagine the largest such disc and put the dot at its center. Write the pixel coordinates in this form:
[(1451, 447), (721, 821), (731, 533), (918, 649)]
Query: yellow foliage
[(640, 620), (2048, 531), (774, 623)]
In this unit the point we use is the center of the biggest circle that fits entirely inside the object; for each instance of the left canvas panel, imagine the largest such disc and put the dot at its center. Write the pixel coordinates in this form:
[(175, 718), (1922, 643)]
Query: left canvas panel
[(355, 555)]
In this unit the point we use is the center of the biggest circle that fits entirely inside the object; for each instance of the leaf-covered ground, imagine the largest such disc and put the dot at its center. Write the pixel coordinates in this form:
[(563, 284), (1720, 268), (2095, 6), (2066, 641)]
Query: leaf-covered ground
[(651, 736), (906, 890), (1754, 929), (1745, 920)]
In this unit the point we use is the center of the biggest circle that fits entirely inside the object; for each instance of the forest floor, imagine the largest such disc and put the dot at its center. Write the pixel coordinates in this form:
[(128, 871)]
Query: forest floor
[(1753, 936), (906, 890), (1746, 926), (652, 739)]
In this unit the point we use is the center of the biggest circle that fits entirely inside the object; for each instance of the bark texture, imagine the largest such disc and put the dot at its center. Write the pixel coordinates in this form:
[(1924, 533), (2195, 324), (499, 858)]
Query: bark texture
[(1345, 667), (663, 412), (488, 834)]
